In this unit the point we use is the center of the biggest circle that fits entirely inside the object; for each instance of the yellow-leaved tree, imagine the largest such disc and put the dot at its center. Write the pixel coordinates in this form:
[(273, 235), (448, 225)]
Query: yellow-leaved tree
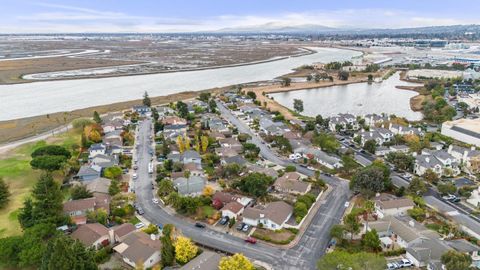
[(187, 143), (180, 144), (235, 262), (204, 143), (208, 191), (185, 249)]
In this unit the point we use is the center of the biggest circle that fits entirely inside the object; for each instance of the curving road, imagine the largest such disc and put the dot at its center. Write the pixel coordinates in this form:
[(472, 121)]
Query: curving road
[(304, 255)]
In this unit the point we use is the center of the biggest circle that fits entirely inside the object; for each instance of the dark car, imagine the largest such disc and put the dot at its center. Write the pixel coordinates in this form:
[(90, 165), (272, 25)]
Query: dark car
[(224, 220), (199, 225)]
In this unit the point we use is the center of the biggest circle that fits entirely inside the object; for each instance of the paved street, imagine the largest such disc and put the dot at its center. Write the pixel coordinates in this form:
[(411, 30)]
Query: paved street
[(303, 256)]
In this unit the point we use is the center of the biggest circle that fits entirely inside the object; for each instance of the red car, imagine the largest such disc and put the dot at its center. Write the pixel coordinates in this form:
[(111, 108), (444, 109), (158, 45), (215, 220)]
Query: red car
[(251, 240)]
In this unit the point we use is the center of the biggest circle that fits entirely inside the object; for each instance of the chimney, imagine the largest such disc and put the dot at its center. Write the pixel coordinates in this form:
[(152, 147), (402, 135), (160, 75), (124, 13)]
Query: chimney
[(411, 223)]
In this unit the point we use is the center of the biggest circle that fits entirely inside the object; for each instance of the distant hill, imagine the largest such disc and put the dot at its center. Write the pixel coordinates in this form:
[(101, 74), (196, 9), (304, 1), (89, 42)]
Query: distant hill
[(279, 28)]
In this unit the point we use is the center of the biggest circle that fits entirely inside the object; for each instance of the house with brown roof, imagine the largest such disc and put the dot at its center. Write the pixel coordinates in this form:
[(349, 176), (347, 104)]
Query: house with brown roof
[(139, 247), (221, 199), (232, 210), (393, 207), (78, 209), (291, 183), (121, 231), (92, 235), (272, 216)]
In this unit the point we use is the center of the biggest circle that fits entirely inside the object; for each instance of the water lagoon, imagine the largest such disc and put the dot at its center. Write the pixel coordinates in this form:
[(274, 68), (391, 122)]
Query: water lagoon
[(357, 99), (40, 98)]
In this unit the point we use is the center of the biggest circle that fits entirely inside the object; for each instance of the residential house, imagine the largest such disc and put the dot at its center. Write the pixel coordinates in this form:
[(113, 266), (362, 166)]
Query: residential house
[(93, 235), (220, 199), (382, 151), (174, 131), (189, 156), (192, 186), (424, 251), (88, 173), (265, 170), (113, 138), (373, 120), (343, 121), (292, 183), (393, 207), (441, 162), (99, 185), (232, 210), (173, 120), (400, 148), (120, 232), (272, 216), (226, 152), (269, 127), (142, 110), (231, 143), (207, 260), (234, 159), (97, 149), (139, 247), (379, 135), (465, 247), (323, 158), (116, 123), (194, 169), (78, 209), (469, 158), (405, 130), (104, 161)]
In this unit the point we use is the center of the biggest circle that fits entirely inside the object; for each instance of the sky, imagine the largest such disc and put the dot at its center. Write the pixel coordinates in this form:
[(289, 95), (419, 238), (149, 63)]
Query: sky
[(68, 16)]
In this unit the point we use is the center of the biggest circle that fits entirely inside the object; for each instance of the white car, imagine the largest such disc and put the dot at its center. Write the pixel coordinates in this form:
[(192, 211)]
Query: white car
[(405, 263), (347, 204), (139, 225), (155, 200), (392, 266), (134, 176)]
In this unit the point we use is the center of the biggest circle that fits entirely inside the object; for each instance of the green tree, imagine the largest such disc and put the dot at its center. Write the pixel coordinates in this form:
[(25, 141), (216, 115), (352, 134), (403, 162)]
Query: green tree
[(371, 241), (417, 186), (369, 181), (351, 224), (114, 188), (298, 105), (97, 118), (402, 161), (286, 81), (4, 193), (290, 168), (343, 75), (51, 150), (370, 146), (113, 172), (255, 184), (300, 210), (165, 187), (342, 260), (80, 192), (46, 204), (252, 95), (48, 163), (338, 232), (447, 188), (64, 253), (417, 213), (455, 260), (146, 100), (168, 250)]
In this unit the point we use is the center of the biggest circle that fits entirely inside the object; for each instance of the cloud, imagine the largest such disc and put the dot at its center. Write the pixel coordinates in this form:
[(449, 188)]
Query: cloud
[(66, 18)]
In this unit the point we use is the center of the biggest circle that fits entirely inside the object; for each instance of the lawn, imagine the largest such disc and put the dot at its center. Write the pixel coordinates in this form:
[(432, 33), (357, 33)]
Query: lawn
[(280, 237), (16, 171)]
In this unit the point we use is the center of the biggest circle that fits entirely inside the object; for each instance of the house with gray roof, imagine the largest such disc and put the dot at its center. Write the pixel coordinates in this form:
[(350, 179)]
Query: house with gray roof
[(104, 161), (96, 149), (272, 216), (189, 156), (343, 121), (99, 185), (139, 247), (440, 162), (192, 186), (379, 135), (88, 173), (372, 120), (323, 158), (468, 158), (405, 130), (208, 260)]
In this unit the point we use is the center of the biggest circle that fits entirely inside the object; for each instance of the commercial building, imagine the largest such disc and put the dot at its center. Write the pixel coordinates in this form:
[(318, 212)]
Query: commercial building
[(464, 130)]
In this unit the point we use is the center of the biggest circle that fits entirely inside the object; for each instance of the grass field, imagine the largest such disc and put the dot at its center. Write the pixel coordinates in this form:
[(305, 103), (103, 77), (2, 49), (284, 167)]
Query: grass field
[(16, 171)]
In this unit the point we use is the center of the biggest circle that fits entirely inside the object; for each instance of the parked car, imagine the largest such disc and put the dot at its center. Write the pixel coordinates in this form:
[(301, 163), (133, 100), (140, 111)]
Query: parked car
[(134, 176), (240, 226), (251, 240), (155, 200), (392, 266), (405, 263), (140, 211), (347, 204), (199, 225), (245, 228), (139, 225), (224, 220)]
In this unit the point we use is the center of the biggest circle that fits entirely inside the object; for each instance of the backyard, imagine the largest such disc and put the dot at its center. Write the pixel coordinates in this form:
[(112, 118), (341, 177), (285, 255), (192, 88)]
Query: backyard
[(16, 171)]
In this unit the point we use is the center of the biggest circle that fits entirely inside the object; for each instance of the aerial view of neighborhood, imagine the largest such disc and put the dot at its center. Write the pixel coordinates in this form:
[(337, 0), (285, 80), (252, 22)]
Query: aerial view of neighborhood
[(239, 135)]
